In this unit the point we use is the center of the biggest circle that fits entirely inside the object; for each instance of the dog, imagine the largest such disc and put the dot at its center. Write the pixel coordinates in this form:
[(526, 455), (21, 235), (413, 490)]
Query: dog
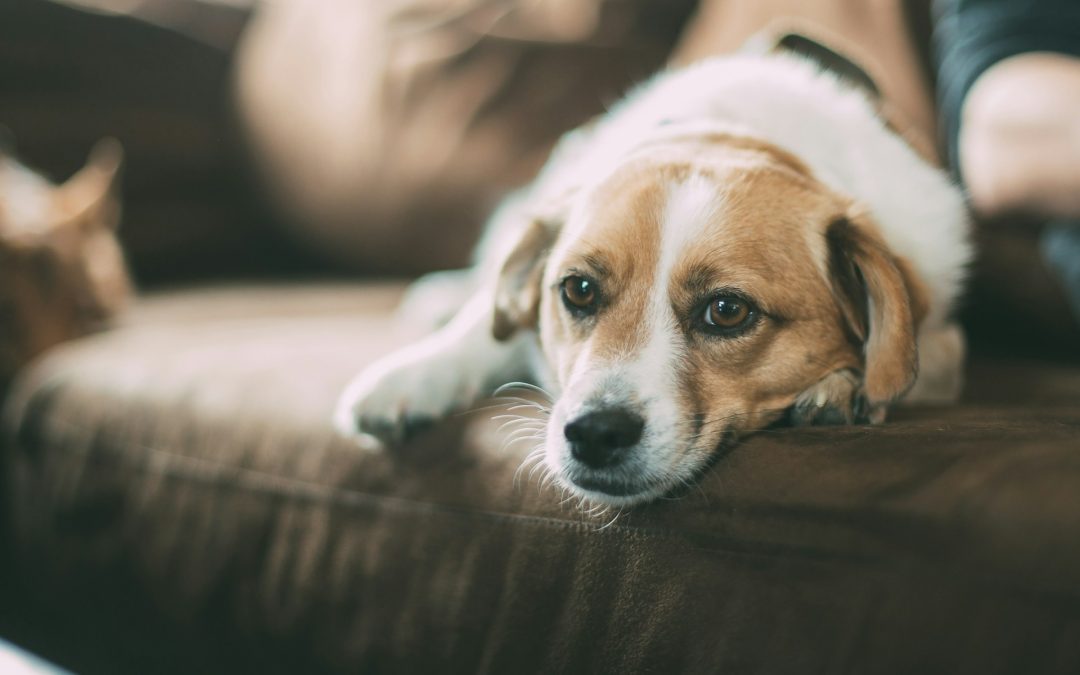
[(735, 244)]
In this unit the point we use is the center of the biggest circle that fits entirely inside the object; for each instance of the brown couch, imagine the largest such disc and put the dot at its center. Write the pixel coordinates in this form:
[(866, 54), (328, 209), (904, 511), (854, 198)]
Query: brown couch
[(174, 500), (177, 495)]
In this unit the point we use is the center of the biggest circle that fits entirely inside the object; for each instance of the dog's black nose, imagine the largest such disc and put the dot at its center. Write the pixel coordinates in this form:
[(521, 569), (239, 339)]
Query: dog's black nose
[(596, 438)]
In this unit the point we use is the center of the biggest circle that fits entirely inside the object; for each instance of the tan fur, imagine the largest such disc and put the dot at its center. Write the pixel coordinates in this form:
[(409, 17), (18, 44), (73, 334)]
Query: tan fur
[(62, 272), (890, 352), (517, 296)]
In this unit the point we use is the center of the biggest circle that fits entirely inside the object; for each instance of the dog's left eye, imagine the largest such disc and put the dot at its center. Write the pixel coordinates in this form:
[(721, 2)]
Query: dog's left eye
[(725, 313), (579, 294)]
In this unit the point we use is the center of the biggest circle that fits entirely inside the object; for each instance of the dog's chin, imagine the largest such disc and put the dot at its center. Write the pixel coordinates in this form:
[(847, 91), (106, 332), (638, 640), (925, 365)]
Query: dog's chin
[(624, 486), (613, 492)]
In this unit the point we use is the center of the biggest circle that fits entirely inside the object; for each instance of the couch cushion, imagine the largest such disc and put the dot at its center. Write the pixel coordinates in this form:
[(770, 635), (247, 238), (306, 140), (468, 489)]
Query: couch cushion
[(177, 495)]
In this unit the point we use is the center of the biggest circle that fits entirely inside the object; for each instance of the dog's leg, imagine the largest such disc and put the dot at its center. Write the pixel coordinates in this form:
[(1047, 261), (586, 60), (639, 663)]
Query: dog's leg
[(442, 373), (837, 399)]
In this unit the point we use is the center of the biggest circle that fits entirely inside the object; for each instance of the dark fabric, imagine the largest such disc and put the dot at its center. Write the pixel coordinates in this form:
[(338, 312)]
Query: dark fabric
[(180, 504), (972, 35), (1016, 303), (1060, 246)]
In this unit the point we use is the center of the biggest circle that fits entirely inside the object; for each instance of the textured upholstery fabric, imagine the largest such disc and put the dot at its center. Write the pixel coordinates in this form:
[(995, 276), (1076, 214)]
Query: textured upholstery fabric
[(179, 502)]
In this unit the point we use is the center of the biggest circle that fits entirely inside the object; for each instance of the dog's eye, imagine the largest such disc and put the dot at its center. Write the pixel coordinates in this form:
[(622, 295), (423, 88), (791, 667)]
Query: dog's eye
[(727, 312), (579, 293)]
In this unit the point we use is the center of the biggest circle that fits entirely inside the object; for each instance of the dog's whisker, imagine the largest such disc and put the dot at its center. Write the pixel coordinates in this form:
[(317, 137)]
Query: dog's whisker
[(481, 408), (527, 432), (513, 420), (517, 419), (511, 442), (523, 405), (532, 458), (505, 425), (612, 521), (509, 428), (514, 408), (503, 403), (567, 496), (528, 425), (536, 453), (519, 438), (516, 416), (581, 506), (506, 400), (598, 510), (538, 467), (547, 479), (510, 386), (529, 416)]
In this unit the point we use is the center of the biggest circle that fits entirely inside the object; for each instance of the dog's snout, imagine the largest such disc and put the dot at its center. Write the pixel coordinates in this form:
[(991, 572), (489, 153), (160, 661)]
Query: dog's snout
[(597, 438)]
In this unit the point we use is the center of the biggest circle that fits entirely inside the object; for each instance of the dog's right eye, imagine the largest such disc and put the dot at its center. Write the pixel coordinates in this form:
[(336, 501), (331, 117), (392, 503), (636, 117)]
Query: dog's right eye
[(579, 294)]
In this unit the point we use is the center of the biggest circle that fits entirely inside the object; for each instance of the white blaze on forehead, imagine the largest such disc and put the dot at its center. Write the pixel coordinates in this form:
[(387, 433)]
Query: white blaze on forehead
[(690, 207), (649, 376)]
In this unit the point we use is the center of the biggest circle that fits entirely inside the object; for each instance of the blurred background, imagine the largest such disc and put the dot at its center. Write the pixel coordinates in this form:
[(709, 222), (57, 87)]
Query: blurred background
[(348, 138), (296, 137), (156, 76), (340, 142)]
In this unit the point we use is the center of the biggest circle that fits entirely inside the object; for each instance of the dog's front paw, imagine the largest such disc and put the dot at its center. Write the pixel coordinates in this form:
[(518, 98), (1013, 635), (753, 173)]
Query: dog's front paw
[(836, 399), (399, 396)]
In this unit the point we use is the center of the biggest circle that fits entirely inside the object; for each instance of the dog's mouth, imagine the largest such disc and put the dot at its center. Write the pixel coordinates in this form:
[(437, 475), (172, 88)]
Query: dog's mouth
[(613, 488), (626, 490)]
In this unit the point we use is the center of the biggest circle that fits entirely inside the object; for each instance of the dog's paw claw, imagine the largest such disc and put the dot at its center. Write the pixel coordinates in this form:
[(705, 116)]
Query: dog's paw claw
[(810, 415), (835, 400)]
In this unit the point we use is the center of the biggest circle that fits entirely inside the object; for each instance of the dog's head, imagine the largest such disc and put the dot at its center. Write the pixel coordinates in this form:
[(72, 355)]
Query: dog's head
[(705, 289)]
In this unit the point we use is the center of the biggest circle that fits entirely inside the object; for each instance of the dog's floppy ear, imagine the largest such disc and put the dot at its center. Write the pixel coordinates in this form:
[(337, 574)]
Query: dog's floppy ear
[(882, 303), (517, 291)]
